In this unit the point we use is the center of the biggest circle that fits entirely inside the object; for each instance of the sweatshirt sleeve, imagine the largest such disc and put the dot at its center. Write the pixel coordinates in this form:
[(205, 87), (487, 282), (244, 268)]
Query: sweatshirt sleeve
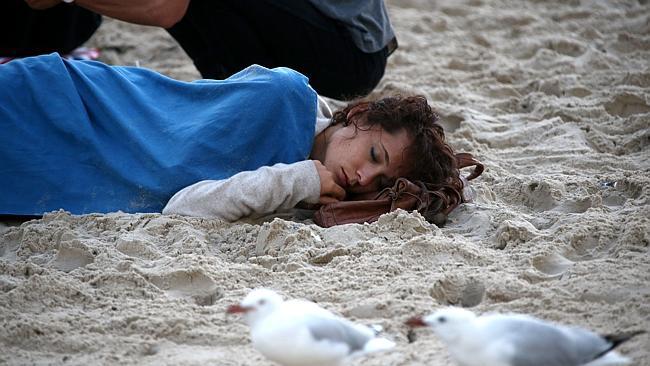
[(250, 193)]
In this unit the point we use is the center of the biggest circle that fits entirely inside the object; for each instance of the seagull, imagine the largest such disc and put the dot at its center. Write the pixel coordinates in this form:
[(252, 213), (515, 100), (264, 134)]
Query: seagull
[(519, 340), (299, 332)]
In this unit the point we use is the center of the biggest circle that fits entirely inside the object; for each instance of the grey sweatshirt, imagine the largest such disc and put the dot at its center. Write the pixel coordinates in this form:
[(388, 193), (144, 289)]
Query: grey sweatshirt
[(254, 193)]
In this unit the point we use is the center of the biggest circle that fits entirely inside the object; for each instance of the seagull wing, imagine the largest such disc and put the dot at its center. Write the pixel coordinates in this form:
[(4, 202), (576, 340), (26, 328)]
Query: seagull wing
[(589, 346), (540, 343), (338, 331)]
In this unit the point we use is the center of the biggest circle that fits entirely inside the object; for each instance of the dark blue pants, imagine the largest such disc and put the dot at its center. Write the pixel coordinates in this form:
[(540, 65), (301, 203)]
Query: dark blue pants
[(225, 36)]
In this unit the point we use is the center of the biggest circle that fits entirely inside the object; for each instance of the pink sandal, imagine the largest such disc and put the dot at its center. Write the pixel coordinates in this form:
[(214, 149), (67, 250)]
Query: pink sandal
[(80, 53)]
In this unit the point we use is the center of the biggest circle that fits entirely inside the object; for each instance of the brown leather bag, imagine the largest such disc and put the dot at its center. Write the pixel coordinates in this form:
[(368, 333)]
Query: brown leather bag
[(434, 202)]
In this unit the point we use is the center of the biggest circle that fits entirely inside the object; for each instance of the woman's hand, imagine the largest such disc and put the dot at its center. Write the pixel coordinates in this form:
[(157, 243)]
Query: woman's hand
[(330, 191)]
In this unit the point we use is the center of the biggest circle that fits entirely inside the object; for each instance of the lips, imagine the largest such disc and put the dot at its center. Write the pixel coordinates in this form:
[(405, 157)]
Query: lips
[(345, 182)]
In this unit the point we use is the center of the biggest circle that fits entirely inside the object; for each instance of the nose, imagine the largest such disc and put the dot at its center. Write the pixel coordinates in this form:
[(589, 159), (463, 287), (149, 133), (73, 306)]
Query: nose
[(368, 174)]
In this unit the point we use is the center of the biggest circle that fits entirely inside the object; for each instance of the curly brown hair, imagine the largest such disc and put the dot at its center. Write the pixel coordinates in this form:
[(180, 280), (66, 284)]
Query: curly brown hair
[(433, 160)]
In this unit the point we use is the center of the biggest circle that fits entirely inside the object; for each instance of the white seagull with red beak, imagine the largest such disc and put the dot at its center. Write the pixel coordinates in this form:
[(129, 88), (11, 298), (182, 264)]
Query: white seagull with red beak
[(519, 340), (299, 332)]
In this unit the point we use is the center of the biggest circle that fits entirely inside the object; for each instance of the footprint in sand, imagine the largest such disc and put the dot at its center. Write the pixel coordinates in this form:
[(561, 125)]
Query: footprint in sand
[(639, 78), (627, 104), (451, 122), (138, 246), (458, 290), (567, 47), (511, 233), (70, 258), (280, 237), (629, 43), (193, 284), (542, 195), (616, 193), (553, 264), (588, 245)]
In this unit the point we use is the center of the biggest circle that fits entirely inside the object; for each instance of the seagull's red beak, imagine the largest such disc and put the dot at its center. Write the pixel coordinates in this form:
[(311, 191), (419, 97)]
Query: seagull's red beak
[(416, 321), (235, 309)]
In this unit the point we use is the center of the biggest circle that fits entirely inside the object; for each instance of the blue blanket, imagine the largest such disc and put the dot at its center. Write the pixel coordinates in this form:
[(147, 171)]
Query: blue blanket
[(87, 137)]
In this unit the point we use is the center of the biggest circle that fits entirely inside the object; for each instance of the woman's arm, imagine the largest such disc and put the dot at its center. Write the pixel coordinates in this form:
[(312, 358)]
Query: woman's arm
[(160, 13), (262, 191)]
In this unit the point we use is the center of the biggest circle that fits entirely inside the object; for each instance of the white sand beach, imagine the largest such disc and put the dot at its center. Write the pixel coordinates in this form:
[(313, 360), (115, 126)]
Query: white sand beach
[(554, 98)]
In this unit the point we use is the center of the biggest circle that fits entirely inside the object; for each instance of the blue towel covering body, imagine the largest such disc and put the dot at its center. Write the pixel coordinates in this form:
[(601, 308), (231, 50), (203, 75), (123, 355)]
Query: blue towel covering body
[(86, 137)]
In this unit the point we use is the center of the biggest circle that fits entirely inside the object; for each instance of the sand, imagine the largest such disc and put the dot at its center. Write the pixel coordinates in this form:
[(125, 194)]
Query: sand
[(553, 96)]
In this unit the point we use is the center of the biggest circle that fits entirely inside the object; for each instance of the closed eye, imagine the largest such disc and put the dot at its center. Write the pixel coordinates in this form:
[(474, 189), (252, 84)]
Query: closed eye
[(373, 155)]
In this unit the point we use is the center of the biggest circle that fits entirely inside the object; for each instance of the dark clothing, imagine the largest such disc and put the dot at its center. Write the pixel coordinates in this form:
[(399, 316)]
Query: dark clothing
[(366, 20), (225, 36), (26, 32)]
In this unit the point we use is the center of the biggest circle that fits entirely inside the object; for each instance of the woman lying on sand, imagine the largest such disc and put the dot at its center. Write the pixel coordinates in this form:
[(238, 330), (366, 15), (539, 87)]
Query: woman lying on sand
[(86, 137)]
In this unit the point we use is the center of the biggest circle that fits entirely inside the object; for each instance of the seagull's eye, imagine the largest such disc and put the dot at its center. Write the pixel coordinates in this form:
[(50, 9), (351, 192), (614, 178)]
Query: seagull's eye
[(261, 302), (442, 320)]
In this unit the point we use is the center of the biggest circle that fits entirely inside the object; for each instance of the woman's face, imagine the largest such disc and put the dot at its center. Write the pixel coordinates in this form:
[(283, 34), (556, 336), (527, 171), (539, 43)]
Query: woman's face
[(366, 159)]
